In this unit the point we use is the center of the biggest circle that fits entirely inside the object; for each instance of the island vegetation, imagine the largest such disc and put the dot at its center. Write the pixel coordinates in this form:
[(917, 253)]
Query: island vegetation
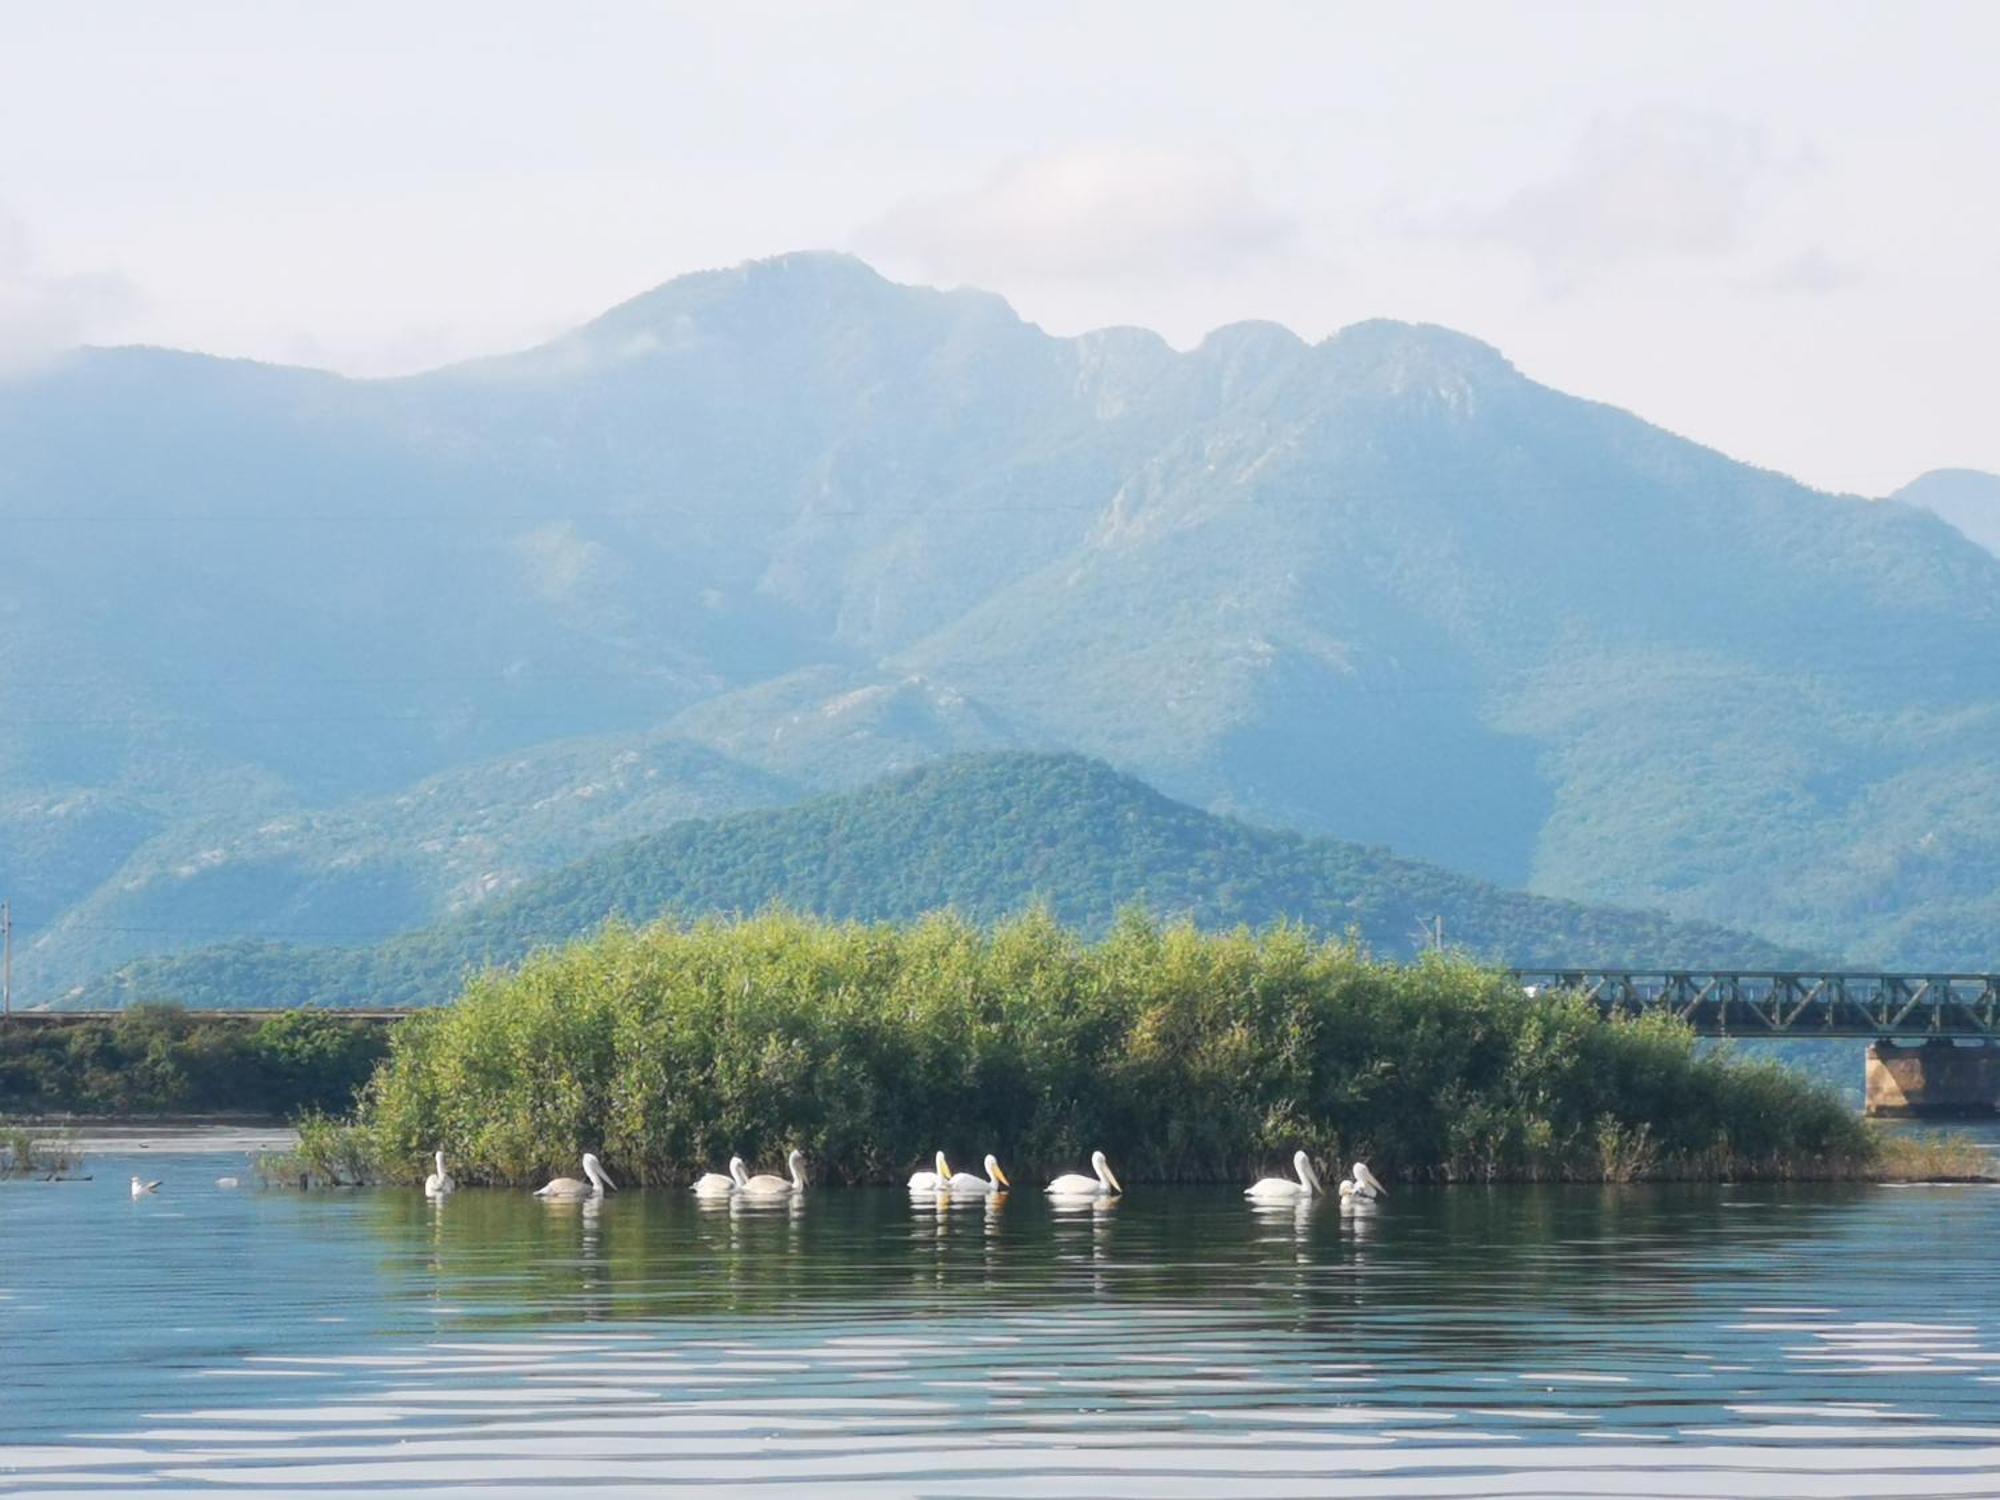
[(1189, 1056)]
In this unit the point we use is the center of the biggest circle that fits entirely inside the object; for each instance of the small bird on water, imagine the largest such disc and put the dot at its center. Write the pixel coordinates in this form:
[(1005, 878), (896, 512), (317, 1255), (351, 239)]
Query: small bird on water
[(140, 1189)]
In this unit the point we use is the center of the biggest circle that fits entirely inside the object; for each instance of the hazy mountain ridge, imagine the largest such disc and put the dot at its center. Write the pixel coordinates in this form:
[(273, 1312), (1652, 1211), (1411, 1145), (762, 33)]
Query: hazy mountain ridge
[(1381, 586), (1966, 498), (986, 835)]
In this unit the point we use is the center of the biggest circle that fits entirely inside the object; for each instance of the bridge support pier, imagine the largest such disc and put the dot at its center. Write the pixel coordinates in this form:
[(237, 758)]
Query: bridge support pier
[(1933, 1080)]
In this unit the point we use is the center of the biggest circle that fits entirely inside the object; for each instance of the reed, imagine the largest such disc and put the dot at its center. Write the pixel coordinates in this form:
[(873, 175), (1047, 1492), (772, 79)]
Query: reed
[(330, 1153), (1188, 1056), (1932, 1156), (29, 1152)]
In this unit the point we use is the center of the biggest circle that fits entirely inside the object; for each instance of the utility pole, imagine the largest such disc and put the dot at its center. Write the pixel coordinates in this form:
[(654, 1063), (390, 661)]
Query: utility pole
[(6, 958)]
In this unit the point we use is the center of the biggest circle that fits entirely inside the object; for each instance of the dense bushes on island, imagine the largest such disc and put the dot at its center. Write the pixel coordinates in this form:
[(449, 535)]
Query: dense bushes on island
[(1185, 1055)]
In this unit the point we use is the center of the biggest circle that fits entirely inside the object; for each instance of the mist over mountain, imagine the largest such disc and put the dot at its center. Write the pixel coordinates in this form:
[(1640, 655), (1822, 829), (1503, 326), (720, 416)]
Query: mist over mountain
[(988, 836), (784, 528)]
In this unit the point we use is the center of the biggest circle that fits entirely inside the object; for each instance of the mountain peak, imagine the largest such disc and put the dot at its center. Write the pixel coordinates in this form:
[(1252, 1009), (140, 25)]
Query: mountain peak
[(1389, 342), (1968, 499)]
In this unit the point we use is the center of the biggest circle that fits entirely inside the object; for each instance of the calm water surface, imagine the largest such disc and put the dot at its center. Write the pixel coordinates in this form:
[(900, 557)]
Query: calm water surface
[(1517, 1341)]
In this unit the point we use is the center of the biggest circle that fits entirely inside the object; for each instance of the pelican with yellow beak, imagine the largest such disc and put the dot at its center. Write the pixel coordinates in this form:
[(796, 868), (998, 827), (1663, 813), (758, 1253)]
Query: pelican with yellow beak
[(971, 1183), (1076, 1185)]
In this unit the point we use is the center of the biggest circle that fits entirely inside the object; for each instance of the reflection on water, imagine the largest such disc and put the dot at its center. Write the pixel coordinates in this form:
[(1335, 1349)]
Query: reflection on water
[(1685, 1341)]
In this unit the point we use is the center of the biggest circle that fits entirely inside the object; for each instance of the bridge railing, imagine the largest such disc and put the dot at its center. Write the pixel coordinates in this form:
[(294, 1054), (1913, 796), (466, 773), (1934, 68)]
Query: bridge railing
[(1802, 1005)]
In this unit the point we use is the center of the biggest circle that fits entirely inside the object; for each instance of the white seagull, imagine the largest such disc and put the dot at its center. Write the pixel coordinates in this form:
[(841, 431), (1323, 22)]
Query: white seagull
[(719, 1185), (932, 1182), (570, 1187), (766, 1185), (1076, 1185), (140, 1189), (439, 1182), (995, 1180), (1282, 1188)]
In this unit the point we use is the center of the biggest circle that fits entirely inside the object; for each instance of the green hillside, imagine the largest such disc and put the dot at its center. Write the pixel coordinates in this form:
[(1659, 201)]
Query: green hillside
[(988, 835)]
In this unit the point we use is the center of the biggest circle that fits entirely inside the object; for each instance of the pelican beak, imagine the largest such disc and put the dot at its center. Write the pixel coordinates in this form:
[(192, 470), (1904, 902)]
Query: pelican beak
[(1001, 1175), (944, 1162), (1116, 1185)]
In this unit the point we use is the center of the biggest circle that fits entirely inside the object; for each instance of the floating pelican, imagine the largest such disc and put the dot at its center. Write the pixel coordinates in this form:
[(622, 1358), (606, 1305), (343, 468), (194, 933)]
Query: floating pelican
[(439, 1182), (716, 1185), (932, 1182), (570, 1187), (1283, 1187), (1366, 1185), (1076, 1185), (227, 1182), (140, 1189), (765, 1185), (995, 1180), (1360, 1189)]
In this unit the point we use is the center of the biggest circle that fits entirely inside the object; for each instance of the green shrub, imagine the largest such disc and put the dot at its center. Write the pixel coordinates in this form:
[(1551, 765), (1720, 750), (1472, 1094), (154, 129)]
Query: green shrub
[(1186, 1056), (157, 1059)]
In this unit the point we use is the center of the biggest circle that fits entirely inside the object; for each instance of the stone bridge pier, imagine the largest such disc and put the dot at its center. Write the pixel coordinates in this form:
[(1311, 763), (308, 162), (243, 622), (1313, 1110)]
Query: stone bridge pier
[(1934, 1079)]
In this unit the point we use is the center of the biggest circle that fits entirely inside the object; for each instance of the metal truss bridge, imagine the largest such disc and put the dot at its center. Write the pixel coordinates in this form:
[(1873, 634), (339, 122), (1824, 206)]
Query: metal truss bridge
[(1803, 1006), (1737, 1003)]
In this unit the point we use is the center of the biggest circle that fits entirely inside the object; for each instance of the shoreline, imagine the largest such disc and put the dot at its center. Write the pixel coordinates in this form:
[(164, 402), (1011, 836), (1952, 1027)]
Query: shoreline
[(181, 1135)]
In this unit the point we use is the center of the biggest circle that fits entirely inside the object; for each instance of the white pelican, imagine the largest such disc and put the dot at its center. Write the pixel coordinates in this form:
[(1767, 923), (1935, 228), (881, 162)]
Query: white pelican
[(439, 1182), (717, 1185), (569, 1187), (1076, 1185), (995, 1180), (140, 1189), (932, 1182), (1283, 1187), (765, 1185), (1366, 1185)]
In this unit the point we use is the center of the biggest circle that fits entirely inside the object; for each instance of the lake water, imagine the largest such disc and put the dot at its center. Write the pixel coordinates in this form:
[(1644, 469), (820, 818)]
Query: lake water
[(1712, 1341)]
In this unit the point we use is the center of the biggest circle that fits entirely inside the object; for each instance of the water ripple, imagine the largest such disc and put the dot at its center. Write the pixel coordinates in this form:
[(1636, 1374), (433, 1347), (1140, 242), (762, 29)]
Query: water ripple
[(1471, 1342)]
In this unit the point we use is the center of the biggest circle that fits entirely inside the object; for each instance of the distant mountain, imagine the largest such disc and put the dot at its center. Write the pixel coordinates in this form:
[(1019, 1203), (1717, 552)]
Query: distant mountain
[(1966, 498), (377, 866), (823, 527), (987, 835)]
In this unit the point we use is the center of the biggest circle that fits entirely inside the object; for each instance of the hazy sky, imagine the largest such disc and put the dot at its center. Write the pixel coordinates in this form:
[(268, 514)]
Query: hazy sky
[(1773, 227)]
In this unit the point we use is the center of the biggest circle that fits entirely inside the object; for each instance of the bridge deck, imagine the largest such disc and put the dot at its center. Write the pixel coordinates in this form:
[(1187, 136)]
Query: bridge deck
[(1832, 1003), (1802, 1006)]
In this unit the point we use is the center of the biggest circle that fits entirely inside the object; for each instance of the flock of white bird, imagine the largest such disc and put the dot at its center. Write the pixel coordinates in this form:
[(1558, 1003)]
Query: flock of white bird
[(1358, 1189)]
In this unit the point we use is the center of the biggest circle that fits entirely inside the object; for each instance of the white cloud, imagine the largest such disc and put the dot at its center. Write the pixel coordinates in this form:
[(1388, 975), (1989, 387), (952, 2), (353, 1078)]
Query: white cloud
[(1811, 273), (1650, 183), (1092, 213), (42, 311)]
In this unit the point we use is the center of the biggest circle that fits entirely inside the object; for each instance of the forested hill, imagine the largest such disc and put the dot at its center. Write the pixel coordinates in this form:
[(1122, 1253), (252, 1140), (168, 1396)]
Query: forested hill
[(985, 834)]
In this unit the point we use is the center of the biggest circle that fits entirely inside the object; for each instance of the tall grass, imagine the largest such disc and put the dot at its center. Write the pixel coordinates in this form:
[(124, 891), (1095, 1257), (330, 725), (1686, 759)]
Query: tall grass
[(329, 1153), (29, 1152), (1186, 1056)]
